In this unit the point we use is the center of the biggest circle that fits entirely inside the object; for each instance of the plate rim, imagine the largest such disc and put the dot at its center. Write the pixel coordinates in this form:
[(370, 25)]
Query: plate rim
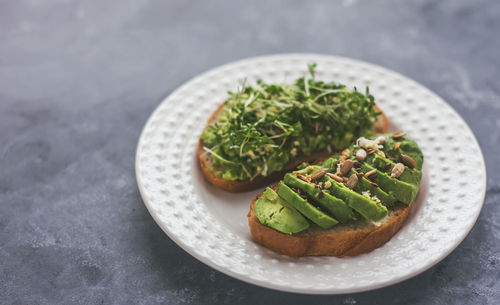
[(265, 283)]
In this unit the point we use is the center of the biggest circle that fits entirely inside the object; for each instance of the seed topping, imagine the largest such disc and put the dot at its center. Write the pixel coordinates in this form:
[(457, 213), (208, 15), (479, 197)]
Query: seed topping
[(398, 134), (396, 145), (346, 153), (370, 173), (408, 161), (346, 167), (380, 140), (361, 154), (318, 174), (397, 170), (302, 177), (352, 181), (335, 177)]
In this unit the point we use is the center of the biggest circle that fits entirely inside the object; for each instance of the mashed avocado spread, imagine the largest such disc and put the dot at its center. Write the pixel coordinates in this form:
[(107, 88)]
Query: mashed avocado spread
[(263, 127)]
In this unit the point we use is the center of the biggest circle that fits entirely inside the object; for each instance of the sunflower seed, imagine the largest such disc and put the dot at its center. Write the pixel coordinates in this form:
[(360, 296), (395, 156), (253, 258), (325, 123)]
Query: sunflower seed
[(318, 174), (352, 181), (306, 179), (408, 161), (346, 167), (370, 173), (397, 170), (398, 134), (335, 177), (346, 153)]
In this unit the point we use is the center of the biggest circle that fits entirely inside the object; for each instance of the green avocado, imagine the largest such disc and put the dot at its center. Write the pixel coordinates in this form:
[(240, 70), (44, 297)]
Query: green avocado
[(364, 206), (407, 147), (308, 210), (274, 212), (328, 163), (365, 185), (411, 176), (403, 191), (336, 207), (288, 212)]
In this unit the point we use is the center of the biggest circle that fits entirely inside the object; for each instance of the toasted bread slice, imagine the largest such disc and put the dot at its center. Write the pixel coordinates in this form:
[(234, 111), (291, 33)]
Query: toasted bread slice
[(349, 239), (381, 126)]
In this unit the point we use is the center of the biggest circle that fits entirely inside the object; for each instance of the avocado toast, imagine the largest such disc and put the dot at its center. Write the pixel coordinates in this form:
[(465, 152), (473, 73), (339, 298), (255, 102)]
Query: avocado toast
[(262, 131), (348, 204)]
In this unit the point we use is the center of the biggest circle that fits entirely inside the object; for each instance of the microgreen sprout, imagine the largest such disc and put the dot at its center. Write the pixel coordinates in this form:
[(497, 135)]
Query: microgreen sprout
[(256, 130)]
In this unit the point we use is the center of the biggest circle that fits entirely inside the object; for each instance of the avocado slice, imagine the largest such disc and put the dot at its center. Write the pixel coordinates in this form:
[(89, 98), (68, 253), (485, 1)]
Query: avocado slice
[(365, 185), (328, 163), (407, 147), (274, 212), (411, 176), (403, 191), (364, 206), (308, 210), (337, 207)]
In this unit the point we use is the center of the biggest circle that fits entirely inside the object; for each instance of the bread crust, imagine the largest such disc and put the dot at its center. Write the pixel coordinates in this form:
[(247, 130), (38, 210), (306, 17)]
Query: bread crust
[(342, 240), (204, 158)]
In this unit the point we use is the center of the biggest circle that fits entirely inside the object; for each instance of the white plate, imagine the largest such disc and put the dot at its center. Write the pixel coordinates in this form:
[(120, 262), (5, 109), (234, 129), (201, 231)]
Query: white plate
[(211, 224)]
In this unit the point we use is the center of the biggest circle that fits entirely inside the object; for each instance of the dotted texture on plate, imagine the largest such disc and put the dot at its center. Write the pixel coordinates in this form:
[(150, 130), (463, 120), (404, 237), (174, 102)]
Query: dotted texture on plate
[(449, 202)]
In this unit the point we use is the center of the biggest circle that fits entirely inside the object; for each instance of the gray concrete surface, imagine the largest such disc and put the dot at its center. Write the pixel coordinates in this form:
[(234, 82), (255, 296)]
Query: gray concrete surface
[(78, 79)]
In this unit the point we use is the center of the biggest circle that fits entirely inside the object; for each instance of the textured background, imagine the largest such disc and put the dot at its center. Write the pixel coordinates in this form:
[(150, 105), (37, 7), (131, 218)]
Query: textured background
[(78, 79)]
